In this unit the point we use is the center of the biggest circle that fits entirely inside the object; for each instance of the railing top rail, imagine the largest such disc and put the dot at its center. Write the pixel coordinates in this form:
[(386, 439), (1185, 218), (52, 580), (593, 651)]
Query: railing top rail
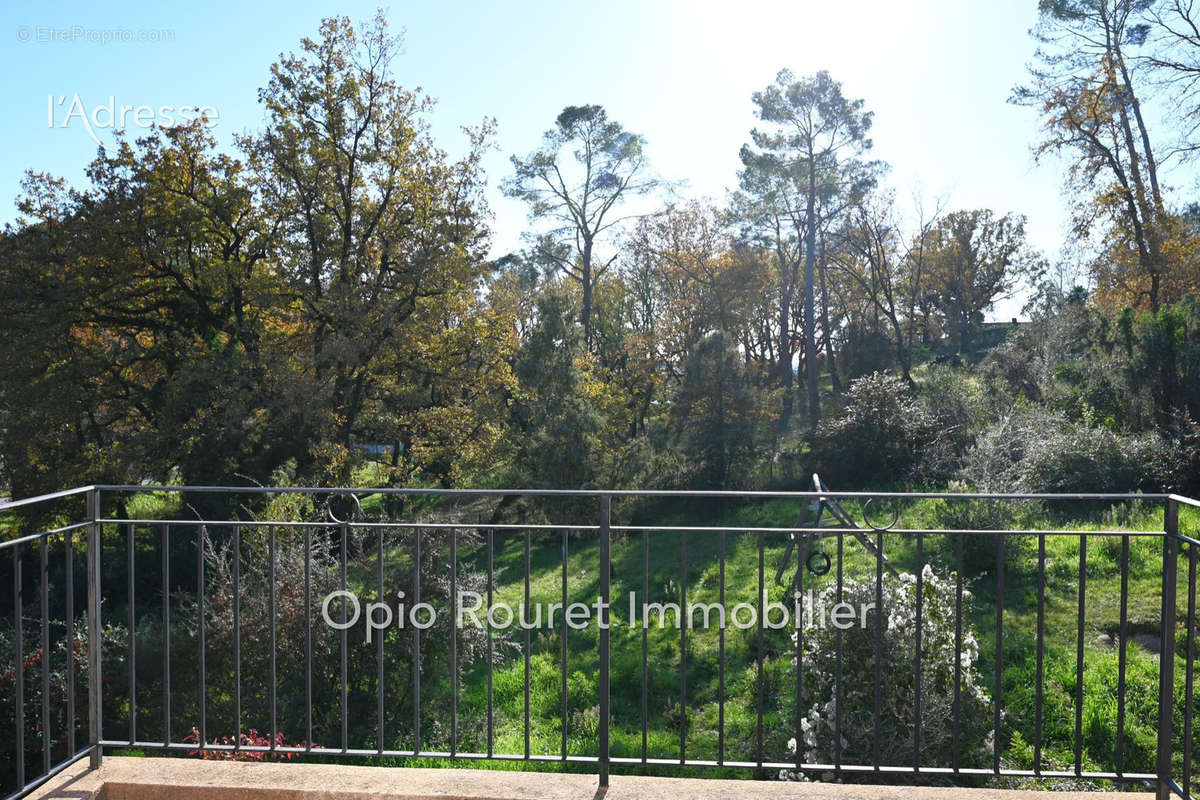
[(717, 493), (8, 505), (1187, 501), (42, 498)]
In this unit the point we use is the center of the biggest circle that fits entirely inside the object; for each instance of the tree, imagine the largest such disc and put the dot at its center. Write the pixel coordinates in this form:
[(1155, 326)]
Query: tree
[(886, 266), (556, 423), (974, 259), (1086, 88), (149, 289), (801, 158), (1174, 33), (382, 235), (579, 195), (1165, 359), (224, 318), (696, 284), (716, 413)]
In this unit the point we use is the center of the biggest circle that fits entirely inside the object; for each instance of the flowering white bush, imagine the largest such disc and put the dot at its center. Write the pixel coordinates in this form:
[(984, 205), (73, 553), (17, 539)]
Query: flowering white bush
[(895, 668)]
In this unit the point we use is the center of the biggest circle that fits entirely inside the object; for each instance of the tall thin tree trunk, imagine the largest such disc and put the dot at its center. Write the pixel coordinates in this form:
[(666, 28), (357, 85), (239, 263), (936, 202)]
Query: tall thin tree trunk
[(1150, 219), (810, 267), (1151, 163), (786, 375), (585, 275), (826, 330)]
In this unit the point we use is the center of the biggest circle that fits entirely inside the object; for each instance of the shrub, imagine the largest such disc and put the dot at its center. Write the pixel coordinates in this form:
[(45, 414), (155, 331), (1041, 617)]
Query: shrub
[(959, 409), (1034, 450), (1185, 466), (895, 670), (1166, 360), (292, 648), (62, 658), (1010, 372), (880, 436)]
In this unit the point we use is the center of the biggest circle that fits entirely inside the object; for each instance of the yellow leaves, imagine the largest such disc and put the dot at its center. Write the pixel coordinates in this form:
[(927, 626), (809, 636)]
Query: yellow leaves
[(1126, 278), (331, 460), (458, 438)]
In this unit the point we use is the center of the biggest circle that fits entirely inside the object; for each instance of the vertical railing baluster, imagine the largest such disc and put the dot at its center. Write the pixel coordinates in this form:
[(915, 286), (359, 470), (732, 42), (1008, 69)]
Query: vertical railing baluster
[(19, 681), (1079, 647), (381, 634), (759, 645), (683, 717), (95, 707), (274, 694), (1121, 655), (454, 641), (837, 668), (800, 556), (920, 609), (1189, 681), (44, 582), (166, 621), (563, 654), (1166, 659), (491, 644), (998, 687), (201, 624), (720, 661), (237, 637), (526, 631), (344, 650), (131, 659), (956, 714), (605, 597), (308, 682), (880, 623), (1039, 674), (646, 653), (69, 572), (416, 655)]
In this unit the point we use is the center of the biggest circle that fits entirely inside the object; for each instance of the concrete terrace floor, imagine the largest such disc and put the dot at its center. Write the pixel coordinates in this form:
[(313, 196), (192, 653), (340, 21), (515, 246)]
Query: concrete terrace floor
[(183, 779)]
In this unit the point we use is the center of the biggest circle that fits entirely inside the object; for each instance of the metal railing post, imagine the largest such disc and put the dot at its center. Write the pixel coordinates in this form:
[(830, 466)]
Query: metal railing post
[(605, 598), (1166, 658), (93, 615)]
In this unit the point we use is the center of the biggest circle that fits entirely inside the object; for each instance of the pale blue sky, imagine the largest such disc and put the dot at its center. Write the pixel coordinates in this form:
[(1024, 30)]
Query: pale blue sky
[(936, 73)]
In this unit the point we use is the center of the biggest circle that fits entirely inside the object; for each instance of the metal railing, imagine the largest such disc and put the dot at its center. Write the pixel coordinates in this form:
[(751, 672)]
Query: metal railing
[(47, 740)]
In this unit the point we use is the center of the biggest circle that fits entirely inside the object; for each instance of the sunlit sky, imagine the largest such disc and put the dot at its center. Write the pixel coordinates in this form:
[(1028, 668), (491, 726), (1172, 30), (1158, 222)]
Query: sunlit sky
[(937, 74)]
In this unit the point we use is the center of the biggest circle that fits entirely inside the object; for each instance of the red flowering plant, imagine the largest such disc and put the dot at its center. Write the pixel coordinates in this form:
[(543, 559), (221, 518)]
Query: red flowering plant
[(250, 738)]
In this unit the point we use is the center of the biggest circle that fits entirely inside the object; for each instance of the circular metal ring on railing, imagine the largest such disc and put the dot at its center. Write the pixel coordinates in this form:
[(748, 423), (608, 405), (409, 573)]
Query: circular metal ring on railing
[(332, 516), (819, 562), (873, 526)]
